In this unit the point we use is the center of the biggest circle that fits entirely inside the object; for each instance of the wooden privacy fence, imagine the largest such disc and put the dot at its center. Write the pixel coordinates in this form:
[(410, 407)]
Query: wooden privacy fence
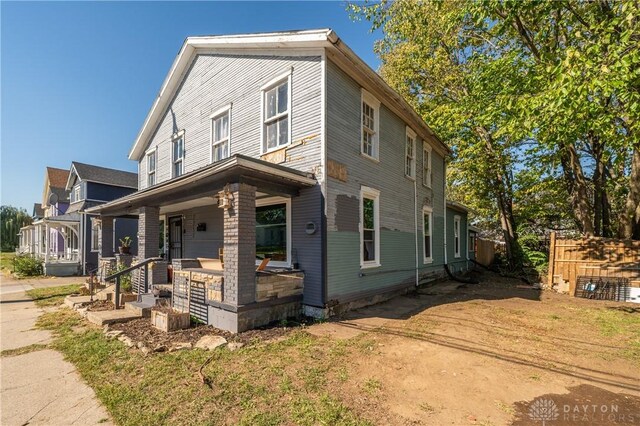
[(486, 251), (593, 257)]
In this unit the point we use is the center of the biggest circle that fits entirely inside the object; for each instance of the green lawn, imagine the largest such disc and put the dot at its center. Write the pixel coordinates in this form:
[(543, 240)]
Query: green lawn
[(298, 380), (53, 296), (6, 261)]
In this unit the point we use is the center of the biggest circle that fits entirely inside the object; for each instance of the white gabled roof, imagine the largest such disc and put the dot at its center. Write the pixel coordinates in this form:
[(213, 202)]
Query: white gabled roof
[(319, 38)]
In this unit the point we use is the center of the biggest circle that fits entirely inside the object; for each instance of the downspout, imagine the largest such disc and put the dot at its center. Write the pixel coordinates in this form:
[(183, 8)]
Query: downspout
[(415, 228), (444, 205), (81, 243)]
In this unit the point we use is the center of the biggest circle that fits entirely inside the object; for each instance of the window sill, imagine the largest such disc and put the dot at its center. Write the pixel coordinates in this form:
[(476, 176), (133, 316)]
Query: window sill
[(456, 257), (412, 179), (269, 151), (426, 186), (370, 265), (370, 158), (427, 261)]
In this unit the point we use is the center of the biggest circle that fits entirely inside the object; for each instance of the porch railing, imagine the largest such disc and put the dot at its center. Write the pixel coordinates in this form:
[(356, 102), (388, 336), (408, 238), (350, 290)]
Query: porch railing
[(117, 276)]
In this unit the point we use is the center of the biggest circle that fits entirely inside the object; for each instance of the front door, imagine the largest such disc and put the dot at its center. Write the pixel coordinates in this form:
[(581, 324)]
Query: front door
[(175, 237)]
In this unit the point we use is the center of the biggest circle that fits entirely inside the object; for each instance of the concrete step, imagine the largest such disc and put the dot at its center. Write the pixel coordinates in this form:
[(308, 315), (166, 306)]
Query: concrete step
[(75, 301), (141, 309), (111, 317)]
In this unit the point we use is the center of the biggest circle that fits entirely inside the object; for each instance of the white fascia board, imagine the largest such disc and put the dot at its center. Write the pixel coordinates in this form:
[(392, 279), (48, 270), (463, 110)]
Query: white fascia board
[(192, 45)]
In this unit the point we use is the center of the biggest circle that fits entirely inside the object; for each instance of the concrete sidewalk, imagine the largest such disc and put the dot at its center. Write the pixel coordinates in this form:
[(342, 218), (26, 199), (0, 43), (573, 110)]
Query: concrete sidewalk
[(39, 387)]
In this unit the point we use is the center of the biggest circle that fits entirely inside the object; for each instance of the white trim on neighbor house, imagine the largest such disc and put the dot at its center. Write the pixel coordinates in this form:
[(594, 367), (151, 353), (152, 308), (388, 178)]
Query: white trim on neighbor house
[(217, 114), (76, 193), (153, 152), (427, 211), (373, 105), (174, 138), (371, 194), (270, 202), (427, 172), (456, 236), (410, 153), (95, 235), (280, 79)]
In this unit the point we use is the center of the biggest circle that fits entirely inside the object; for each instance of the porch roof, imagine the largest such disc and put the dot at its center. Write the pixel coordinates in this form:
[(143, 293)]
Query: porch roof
[(208, 181), (63, 219)]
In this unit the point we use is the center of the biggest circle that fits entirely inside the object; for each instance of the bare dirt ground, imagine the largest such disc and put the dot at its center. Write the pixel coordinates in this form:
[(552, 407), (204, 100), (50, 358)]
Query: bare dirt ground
[(495, 354)]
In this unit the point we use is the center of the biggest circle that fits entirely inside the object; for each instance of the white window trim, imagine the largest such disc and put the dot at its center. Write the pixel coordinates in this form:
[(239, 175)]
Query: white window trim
[(373, 194), (175, 137), (413, 135), (216, 114), (429, 211), (456, 230), (269, 202), (93, 229), (471, 247), (152, 151), (426, 180), (76, 194), (276, 81), (368, 98)]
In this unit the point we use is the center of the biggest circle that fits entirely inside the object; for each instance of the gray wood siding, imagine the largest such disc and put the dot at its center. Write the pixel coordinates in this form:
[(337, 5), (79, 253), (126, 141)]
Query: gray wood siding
[(397, 205), (215, 80), (457, 264)]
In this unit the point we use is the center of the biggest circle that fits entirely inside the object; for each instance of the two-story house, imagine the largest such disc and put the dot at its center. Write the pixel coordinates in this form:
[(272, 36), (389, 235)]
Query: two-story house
[(65, 237), (287, 150)]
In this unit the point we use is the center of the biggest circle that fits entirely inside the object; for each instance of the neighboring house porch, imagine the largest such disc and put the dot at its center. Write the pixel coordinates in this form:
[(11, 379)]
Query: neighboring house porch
[(245, 210)]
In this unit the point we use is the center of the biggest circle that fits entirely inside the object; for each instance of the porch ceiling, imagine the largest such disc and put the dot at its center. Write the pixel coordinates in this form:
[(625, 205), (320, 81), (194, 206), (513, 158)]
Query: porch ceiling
[(201, 186)]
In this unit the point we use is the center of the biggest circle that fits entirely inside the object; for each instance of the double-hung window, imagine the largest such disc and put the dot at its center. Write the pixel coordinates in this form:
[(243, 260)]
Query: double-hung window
[(369, 227), (427, 225), (76, 193), (220, 134), (96, 237), (426, 164), (276, 109), (410, 154), (456, 236), (370, 125), (151, 168), (177, 158)]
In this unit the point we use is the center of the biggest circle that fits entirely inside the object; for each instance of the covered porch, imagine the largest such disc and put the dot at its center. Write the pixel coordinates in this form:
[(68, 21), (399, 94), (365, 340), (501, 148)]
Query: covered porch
[(215, 227)]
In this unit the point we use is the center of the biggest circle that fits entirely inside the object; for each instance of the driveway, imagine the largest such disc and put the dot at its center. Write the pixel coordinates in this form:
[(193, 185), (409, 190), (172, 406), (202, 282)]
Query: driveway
[(38, 387)]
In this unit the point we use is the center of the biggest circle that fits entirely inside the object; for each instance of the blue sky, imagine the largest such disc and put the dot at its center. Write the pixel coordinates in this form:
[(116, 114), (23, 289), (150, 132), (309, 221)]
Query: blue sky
[(78, 78)]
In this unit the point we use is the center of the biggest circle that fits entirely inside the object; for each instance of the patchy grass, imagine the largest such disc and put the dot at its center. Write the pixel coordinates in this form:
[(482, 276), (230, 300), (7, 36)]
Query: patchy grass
[(6, 261), (23, 350), (297, 380), (619, 324), (52, 296)]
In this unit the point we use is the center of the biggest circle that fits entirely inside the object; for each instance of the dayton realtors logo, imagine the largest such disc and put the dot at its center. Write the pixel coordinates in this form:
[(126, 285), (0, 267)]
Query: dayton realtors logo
[(543, 410), (546, 411)]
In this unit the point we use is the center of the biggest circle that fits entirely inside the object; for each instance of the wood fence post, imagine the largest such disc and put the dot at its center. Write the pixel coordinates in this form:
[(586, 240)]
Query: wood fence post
[(552, 257)]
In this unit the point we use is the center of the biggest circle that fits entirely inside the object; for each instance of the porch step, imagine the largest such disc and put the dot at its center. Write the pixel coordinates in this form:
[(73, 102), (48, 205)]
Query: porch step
[(111, 317), (74, 301), (141, 309)]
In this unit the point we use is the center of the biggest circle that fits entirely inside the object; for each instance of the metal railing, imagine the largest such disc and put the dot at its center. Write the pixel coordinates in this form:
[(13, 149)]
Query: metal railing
[(117, 276)]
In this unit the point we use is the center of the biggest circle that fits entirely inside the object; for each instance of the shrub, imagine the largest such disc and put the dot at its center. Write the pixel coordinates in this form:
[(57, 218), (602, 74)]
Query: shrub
[(27, 265), (125, 280)]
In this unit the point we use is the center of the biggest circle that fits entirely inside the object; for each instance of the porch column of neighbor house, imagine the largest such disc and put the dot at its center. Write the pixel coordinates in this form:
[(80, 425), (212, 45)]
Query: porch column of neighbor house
[(46, 243), (106, 236), (148, 232), (240, 245)]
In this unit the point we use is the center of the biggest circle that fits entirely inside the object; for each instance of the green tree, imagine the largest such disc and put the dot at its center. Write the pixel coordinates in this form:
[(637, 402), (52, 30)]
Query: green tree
[(11, 220)]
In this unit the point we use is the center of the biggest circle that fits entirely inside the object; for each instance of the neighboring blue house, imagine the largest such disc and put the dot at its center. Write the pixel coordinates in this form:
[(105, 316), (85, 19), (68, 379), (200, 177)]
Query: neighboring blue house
[(286, 149), (63, 234)]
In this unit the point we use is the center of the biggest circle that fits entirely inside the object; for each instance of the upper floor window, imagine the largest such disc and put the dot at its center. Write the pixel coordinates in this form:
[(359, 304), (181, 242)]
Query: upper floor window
[(456, 236), (426, 164), (151, 168), (220, 123), (410, 154), (370, 125), (369, 227), (177, 158), (276, 106), (76, 193)]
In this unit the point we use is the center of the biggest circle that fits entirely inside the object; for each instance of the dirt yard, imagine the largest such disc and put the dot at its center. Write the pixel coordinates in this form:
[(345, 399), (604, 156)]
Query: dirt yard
[(483, 354)]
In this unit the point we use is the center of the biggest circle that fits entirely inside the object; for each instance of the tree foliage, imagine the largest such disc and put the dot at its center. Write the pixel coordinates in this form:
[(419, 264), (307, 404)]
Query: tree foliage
[(11, 220), (538, 100)]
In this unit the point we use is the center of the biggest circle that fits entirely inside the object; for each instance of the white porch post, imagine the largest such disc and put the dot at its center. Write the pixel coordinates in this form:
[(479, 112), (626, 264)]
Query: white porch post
[(46, 244)]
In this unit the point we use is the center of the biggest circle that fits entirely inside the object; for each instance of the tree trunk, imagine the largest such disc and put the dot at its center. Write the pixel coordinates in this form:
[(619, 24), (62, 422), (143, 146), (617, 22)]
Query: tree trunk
[(577, 188), (630, 218)]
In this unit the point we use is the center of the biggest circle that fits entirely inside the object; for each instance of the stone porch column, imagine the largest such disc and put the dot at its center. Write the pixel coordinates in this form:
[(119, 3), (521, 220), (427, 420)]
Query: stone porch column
[(240, 246), (106, 236), (148, 232)]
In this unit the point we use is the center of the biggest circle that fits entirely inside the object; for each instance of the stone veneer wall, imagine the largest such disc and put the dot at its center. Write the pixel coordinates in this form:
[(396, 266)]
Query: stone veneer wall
[(278, 285)]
